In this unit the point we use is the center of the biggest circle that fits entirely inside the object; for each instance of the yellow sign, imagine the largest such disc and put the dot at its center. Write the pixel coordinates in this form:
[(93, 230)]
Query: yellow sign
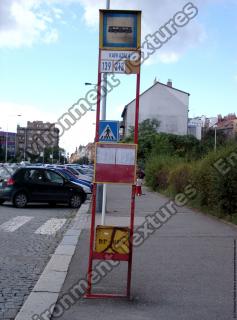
[(120, 29), (111, 239)]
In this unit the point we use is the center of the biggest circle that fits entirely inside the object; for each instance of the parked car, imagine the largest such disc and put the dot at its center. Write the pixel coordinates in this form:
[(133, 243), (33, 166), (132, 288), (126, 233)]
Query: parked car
[(81, 174), (86, 185), (38, 184)]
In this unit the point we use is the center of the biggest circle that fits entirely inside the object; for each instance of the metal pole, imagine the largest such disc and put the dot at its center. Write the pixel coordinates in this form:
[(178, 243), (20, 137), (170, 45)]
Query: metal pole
[(6, 147), (215, 141), (25, 147), (93, 209), (103, 117)]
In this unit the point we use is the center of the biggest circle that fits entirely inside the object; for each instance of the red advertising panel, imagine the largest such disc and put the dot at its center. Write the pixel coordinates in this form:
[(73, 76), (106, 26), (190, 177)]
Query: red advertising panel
[(115, 163)]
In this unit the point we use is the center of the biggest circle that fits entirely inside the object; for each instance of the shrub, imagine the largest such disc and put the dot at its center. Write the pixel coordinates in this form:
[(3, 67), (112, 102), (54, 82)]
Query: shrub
[(180, 176), (157, 171), (217, 191)]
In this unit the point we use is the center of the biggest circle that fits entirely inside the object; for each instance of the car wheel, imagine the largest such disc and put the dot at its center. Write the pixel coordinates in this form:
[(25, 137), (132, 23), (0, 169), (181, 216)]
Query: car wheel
[(75, 201), (20, 200), (1, 201)]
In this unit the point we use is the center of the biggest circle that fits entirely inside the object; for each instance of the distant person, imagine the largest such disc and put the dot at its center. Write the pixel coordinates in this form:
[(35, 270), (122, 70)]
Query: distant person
[(138, 186)]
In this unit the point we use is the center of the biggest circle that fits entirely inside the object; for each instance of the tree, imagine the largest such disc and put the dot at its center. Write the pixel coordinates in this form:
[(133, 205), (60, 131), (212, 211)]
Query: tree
[(57, 152), (146, 137), (208, 139)]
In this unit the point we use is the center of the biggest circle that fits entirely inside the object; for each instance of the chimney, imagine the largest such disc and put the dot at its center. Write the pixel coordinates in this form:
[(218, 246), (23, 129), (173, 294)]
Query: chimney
[(155, 81), (169, 83)]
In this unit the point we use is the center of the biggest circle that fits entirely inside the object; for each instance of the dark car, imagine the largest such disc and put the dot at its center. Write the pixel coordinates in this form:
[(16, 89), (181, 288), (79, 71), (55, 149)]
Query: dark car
[(34, 184)]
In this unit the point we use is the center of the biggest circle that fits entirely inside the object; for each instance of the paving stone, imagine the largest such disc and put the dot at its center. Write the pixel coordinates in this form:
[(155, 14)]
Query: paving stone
[(24, 255)]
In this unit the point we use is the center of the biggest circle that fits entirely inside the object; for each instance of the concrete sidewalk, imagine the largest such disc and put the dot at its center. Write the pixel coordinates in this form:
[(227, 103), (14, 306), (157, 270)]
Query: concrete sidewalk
[(184, 271)]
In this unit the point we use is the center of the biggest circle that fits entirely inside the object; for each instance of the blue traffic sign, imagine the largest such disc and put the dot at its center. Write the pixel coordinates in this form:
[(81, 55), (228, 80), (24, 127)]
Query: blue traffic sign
[(108, 131)]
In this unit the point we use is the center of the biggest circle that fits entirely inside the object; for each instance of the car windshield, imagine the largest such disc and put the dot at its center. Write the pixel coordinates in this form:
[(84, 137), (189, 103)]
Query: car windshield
[(63, 173), (69, 174), (72, 170)]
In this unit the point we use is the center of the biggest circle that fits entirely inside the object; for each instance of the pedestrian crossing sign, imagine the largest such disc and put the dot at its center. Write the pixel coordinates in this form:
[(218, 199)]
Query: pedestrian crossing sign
[(108, 131)]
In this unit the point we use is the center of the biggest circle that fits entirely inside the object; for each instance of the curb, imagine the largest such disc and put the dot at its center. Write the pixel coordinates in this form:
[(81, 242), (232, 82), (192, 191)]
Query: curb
[(47, 289)]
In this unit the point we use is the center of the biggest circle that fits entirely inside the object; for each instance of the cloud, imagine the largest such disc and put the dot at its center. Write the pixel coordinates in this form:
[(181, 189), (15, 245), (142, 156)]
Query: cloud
[(28, 112), (26, 22), (154, 15), (82, 132)]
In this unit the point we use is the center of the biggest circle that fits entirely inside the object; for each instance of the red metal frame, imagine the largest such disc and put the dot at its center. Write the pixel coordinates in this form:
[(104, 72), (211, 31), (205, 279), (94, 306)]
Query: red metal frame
[(105, 256)]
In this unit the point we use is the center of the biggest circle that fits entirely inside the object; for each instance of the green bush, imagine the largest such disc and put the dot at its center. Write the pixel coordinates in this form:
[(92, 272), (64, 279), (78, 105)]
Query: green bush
[(157, 171), (216, 190), (180, 176), (224, 184)]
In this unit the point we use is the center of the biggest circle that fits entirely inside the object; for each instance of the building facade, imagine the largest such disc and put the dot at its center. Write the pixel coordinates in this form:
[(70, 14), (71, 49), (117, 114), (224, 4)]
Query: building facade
[(35, 137), (8, 138), (198, 126), (164, 103), (228, 125), (83, 151)]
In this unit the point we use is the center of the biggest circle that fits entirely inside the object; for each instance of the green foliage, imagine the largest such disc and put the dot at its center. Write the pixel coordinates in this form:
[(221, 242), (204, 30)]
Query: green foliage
[(172, 162), (181, 146), (208, 140), (180, 176), (146, 137), (58, 156), (217, 190), (157, 171)]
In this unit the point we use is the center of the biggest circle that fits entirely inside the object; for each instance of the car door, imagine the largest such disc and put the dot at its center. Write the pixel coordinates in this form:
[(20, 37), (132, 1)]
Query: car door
[(56, 190), (36, 184)]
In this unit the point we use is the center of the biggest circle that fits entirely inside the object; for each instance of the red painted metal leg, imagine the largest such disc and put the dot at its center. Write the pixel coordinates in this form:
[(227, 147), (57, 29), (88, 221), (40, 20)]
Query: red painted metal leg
[(133, 192), (131, 241), (92, 236)]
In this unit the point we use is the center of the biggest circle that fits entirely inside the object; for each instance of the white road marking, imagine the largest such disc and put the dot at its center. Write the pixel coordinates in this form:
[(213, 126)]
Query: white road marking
[(51, 226), (15, 223)]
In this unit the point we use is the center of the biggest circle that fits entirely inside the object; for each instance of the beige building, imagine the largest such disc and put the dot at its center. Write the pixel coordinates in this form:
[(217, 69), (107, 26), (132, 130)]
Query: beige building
[(90, 152), (84, 151), (36, 137)]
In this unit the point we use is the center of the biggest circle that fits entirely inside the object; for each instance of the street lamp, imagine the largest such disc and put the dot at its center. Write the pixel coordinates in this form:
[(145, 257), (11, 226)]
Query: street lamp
[(215, 127), (90, 84), (102, 198), (6, 145)]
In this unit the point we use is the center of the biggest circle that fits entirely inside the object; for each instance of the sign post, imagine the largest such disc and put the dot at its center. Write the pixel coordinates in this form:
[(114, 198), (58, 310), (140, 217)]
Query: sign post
[(119, 52)]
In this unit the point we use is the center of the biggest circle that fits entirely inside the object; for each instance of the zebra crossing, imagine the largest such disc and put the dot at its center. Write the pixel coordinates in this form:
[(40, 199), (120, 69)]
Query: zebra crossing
[(49, 227)]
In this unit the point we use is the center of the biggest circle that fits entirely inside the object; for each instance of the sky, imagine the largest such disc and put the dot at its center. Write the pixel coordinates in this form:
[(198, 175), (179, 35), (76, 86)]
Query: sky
[(49, 49)]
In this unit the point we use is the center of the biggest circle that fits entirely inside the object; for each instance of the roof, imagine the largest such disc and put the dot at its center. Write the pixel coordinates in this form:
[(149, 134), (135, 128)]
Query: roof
[(227, 124), (163, 84)]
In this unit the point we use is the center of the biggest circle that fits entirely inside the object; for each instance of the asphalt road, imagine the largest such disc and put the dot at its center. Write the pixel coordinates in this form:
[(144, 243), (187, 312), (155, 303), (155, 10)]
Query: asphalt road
[(28, 237)]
